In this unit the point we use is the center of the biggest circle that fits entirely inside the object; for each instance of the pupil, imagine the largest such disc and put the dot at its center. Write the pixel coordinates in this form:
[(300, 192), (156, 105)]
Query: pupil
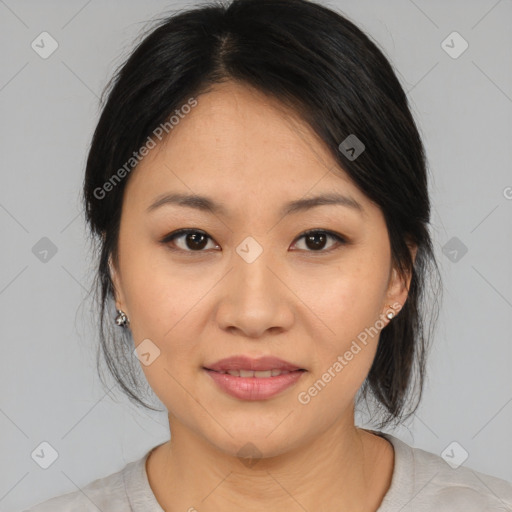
[(194, 237), (315, 245)]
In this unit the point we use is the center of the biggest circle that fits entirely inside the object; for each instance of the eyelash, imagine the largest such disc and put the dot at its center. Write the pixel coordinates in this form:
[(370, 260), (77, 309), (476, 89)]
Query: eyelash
[(185, 231)]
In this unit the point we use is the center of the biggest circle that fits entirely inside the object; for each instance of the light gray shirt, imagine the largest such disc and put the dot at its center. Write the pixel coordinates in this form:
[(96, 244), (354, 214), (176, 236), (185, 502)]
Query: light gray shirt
[(421, 482)]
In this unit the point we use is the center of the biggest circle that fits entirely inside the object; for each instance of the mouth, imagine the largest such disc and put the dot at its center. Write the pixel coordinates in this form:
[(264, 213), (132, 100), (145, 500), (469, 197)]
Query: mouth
[(260, 374), (248, 378), (252, 385), (246, 363)]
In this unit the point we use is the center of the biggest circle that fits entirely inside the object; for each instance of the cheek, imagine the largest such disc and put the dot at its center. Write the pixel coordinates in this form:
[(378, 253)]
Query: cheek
[(348, 299), (162, 304), (165, 306), (348, 303), (161, 296), (343, 354)]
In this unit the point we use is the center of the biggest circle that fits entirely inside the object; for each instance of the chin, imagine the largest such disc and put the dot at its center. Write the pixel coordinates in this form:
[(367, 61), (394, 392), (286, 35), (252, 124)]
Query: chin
[(254, 443)]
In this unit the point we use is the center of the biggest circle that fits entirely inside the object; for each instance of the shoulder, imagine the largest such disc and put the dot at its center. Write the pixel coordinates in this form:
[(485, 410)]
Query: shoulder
[(425, 482), (107, 493)]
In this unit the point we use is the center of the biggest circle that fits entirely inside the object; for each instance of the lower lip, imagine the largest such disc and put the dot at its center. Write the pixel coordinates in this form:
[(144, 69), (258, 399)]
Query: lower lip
[(254, 388)]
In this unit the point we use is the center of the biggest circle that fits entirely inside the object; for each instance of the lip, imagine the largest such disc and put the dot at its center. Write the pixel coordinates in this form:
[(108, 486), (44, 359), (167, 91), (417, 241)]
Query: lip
[(254, 388), (248, 363)]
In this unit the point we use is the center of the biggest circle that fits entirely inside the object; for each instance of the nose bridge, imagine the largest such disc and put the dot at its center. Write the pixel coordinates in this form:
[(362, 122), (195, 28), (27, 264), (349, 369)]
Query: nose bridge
[(252, 260), (254, 299)]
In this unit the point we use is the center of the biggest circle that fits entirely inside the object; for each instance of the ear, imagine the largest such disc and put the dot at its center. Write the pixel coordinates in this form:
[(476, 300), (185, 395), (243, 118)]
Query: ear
[(398, 287), (118, 289)]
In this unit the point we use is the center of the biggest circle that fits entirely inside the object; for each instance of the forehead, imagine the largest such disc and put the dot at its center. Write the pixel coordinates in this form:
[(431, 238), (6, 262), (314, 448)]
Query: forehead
[(236, 143)]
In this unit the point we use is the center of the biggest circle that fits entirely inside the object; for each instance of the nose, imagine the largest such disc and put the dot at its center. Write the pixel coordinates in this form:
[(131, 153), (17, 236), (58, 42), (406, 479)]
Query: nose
[(255, 298)]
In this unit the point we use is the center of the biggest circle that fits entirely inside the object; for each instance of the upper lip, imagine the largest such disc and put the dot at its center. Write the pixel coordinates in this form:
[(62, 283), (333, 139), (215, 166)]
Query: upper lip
[(254, 364)]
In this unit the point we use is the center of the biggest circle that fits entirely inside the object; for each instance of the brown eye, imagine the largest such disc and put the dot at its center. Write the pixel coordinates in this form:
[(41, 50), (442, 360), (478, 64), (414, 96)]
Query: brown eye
[(193, 240), (190, 240), (315, 241)]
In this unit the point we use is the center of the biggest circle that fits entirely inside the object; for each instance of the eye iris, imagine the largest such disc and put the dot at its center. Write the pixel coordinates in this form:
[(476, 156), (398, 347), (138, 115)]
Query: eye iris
[(199, 240), (313, 237)]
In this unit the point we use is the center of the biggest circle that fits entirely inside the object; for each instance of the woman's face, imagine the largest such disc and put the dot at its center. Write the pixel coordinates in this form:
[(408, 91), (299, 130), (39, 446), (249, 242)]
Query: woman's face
[(249, 283)]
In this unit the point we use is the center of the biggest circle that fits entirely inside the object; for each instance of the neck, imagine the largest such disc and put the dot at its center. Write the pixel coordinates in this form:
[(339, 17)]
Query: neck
[(346, 468)]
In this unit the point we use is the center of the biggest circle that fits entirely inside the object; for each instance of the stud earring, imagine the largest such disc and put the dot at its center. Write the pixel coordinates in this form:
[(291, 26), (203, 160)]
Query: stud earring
[(121, 318), (390, 315)]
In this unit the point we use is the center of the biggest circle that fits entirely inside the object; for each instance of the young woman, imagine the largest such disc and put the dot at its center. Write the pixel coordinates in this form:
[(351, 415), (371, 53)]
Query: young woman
[(258, 189)]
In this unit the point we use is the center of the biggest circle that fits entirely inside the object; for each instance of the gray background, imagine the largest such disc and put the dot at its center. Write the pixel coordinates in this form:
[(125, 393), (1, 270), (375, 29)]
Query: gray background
[(49, 387)]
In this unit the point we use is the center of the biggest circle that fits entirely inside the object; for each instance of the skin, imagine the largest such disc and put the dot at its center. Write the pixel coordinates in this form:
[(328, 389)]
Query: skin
[(301, 304)]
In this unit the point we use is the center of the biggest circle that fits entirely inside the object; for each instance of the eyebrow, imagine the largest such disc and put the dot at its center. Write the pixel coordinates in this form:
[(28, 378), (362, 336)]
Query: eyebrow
[(203, 203)]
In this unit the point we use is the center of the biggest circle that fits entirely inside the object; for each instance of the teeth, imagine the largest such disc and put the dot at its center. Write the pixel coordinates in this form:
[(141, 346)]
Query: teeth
[(264, 374)]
